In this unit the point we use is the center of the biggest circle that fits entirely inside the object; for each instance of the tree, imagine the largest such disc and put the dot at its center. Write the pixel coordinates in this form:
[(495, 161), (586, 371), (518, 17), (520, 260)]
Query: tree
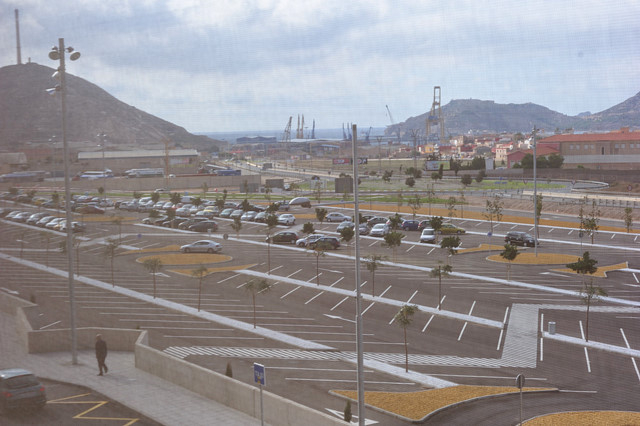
[(321, 213), (153, 265), (197, 201), (46, 236), (395, 221), (538, 212), (110, 250), (308, 228), (435, 176), (480, 176), (373, 262), (462, 200), (175, 197), (628, 218), (55, 197), (256, 286), (245, 205), (347, 416), (271, 221), (591, 222), (466, 180), (436, 224), (450, 244), (556, 161), (318, 251), (101, 191), (403, 318), (455, 166), (236, 225), (439, 272), (386, 176), (493, 210), (451, 206), (155, 197), (200, 273), (347, 234), (590, 293), (400, 200), (509, 254), (117, 221), (431, 194), (205, 189), (137, 195), (393, 240), (415, 204), (478, 163), (410, 182)]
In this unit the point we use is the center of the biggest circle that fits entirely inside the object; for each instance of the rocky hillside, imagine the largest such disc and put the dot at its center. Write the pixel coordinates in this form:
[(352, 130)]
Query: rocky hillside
[(462, 116), (29, 113)]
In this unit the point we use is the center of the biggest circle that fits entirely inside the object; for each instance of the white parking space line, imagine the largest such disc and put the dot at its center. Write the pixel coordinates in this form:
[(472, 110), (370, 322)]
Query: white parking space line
[(431, 251), (349, 381), (293, 273), (368, 307), (586, 355), (633, 360), (276, 268), (550, 230), (613, 235), (310, 300), (635, 277), (382, 294), (373, 243), (282, 297), (314, 278), (514, 226), (570, 232), (49, 325), (541, 349), (339, 303), (409, 249), (337, 281), (228, 278), (214, 337), (478, 224), (464, 326), (413, 295), (427, 324)]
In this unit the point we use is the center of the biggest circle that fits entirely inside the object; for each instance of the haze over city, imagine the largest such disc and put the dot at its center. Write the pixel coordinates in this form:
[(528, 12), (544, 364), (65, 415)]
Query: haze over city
[(241, 65)]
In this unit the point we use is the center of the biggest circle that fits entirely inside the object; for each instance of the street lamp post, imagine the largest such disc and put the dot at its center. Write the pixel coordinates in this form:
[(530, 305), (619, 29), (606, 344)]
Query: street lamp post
[(103, 143), (57, 54)]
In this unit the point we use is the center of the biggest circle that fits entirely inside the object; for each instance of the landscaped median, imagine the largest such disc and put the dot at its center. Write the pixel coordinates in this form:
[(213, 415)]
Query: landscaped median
[(417, 406), (587, 418)]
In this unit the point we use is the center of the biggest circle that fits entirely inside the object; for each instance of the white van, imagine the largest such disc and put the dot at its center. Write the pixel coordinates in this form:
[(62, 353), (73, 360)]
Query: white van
[(428, 236)]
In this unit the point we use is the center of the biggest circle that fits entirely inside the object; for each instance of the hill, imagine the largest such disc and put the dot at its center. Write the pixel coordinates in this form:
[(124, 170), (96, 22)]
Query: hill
[(463, 116), (29, 114)]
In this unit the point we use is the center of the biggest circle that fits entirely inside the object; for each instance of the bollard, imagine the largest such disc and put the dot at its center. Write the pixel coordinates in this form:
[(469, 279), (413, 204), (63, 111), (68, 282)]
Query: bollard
[(552, 327)]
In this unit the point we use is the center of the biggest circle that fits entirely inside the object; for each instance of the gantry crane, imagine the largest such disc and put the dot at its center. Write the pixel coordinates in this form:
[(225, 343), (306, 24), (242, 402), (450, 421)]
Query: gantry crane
[(286, 137), (435, 117)]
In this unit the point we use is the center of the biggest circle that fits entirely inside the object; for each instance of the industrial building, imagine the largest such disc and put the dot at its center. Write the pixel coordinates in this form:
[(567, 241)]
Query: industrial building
[(174, 161)]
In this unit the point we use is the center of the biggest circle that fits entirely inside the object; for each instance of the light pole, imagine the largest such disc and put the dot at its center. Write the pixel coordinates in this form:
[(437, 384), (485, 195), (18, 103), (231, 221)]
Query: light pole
[(57, 54), (535, 195)]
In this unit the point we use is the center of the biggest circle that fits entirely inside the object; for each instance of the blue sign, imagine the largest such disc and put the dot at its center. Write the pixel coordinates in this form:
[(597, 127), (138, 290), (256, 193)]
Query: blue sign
[(489, 233), (259, 375)]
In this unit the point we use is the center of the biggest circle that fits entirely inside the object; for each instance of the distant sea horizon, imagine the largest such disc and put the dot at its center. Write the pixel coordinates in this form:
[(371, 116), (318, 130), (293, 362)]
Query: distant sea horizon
[(231, 137)]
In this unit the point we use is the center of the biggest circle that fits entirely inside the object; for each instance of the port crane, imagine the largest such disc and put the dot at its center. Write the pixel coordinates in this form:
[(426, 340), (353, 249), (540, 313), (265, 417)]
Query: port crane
[(286, 137), (393, 122), (435, 117)]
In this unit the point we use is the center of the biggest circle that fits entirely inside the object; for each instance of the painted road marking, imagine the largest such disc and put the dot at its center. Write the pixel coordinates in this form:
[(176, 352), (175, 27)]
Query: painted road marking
[(313, 297), (427, 324), (293, 273), (633, 360), (337, 281), (412, 296), (367, 308), (382, 294), (339, 303), (289, 292), (228, 278)]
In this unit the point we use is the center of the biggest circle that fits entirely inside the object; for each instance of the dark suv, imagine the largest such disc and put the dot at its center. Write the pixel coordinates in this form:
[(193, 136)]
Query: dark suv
[(324, 243), (519, 239), (20, 388)]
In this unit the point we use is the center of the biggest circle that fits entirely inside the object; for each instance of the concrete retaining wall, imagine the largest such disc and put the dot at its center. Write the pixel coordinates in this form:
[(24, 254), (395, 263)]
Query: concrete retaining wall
[(218, 387)]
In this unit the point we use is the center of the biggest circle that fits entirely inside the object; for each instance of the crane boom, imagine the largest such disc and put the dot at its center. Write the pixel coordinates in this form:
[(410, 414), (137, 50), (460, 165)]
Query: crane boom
[(390, 116)]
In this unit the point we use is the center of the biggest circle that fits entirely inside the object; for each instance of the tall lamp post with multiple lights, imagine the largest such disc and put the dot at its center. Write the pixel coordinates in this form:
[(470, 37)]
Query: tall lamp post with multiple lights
[(103, 143), (58, 54)]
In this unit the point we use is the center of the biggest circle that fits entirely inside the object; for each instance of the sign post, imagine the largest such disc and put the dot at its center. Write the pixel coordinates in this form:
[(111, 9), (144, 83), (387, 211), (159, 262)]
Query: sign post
[(260, 377), (520, 385)]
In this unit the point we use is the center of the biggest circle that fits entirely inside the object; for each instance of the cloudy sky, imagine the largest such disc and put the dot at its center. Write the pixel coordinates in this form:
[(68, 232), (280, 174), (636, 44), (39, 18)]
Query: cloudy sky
[(226, 65)]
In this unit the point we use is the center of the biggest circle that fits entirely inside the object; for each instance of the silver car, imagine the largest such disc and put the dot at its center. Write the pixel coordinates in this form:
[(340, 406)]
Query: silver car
[(202, 246)]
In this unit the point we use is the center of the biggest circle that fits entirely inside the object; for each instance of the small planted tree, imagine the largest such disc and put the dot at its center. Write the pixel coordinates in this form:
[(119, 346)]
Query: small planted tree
[(321, 213), (308, 228), (404, 318), (373, 262), (256, 286), (451, 206), (590, 293), (271, 220), (153, 265), (509, 254), (466, 180), (200, 273), (400, 200), (450, 244), (538, 212), (395, 221), (410, 182), (462, 200), (110, 250), (439, 272), (436, 224), (319, 250), (415, 204), (236, 225), (493, 211), (347, 412), (346, 235), (117, 221), (628, 218), (591, 222), (393, 240)]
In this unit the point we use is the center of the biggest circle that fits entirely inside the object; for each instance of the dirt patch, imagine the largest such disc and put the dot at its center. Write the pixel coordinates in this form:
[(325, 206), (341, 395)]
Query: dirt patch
[(587, 418)]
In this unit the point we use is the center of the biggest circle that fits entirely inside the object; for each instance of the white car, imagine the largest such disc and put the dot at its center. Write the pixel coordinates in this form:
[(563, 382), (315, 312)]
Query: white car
[(336, 217), (286, 219), (428, 236), (379, 230)]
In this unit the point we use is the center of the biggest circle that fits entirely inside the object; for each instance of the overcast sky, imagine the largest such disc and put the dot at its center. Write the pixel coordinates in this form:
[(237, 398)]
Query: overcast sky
[(225, 65)]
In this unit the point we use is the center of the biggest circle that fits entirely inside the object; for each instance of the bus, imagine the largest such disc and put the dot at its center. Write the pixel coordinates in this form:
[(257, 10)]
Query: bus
[(137, 173), (37, 176), (95, 175)]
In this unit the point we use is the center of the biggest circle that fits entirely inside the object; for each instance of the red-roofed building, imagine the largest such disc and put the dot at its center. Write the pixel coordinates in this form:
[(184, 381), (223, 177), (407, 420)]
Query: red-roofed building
[(541, 151), (618, 150)]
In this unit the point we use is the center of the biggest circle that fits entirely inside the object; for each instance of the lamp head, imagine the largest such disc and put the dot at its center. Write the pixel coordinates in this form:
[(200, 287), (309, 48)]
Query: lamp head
[(74, 56), (54, 55)]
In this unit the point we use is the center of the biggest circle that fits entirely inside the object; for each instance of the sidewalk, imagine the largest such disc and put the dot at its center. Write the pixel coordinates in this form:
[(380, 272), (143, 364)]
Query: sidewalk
[(155, 398)]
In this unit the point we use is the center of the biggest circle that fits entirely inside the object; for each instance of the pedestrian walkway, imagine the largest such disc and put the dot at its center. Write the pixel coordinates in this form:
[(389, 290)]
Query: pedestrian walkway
[(150, 396)]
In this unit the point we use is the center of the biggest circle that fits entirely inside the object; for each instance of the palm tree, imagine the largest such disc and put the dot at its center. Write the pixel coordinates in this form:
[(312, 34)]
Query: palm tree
[(256, 286), (200, 273), (439, 272), (153, 265), (373, 262), (110, 250), (404, 317)]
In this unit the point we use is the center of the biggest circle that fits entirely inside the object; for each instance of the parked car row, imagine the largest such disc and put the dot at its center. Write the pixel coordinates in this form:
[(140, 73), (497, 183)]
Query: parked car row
[(41, 219)]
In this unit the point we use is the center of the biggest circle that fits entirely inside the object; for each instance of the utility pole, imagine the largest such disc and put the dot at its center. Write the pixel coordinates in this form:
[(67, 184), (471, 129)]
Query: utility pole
[(18, 38), (535, 194)]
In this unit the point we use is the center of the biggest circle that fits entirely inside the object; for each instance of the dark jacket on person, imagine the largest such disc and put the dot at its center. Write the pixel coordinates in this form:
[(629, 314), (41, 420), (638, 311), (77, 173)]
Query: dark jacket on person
[(101, 349)]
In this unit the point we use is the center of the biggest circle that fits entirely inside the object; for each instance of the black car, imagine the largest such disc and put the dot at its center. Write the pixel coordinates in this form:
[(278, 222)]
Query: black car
[(20, 388), (376, 220), (289, 237), (519, 239), (424, 224), (325, 242), (187, 223), (410, 225), (204, 226)]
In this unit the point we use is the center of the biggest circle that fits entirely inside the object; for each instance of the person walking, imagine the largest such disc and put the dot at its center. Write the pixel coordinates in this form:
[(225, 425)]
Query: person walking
[(101, 354)]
